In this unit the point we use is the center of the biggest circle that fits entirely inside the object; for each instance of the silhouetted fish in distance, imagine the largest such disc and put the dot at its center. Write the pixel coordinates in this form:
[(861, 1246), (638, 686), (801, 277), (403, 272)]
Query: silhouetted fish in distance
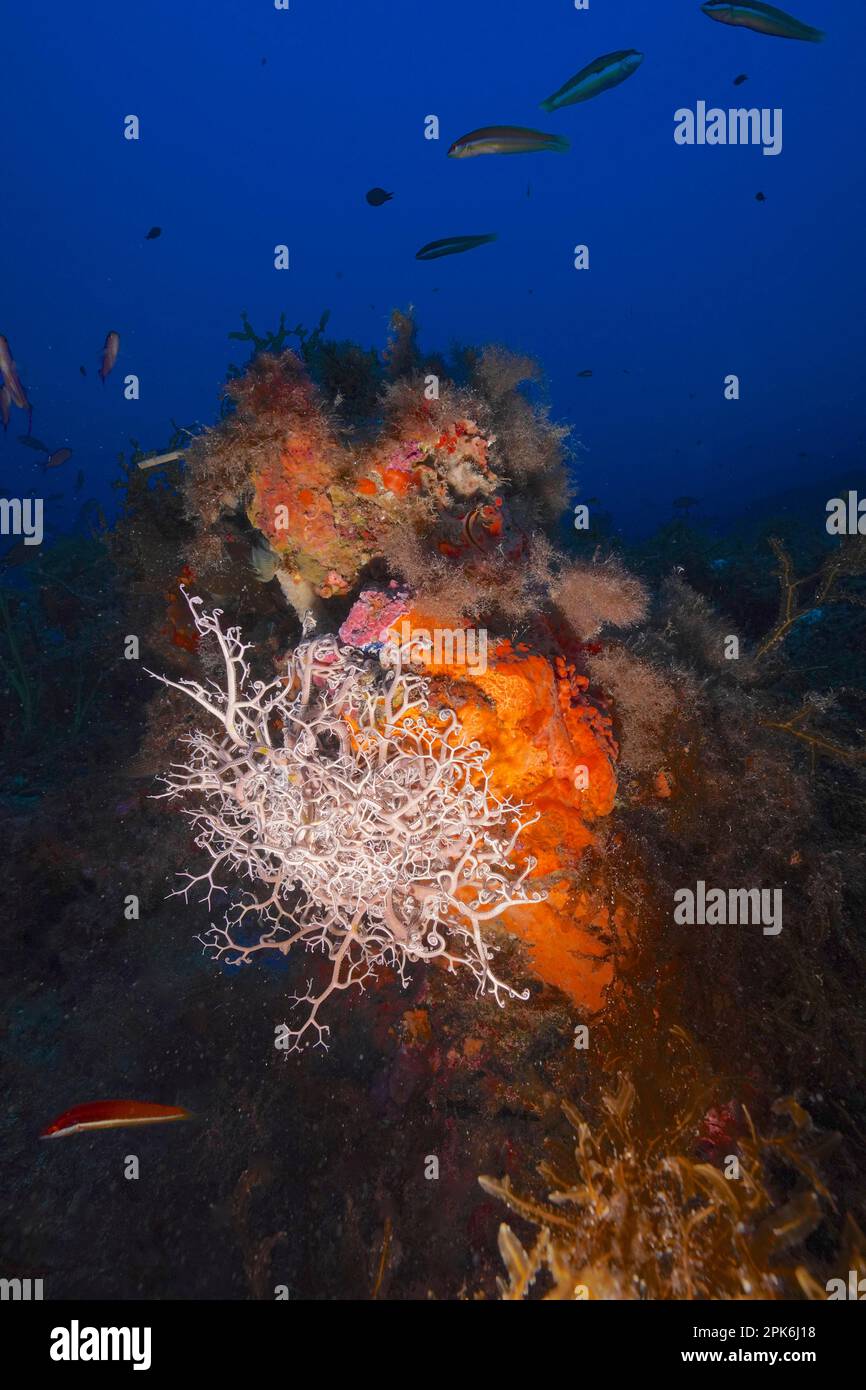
[(452, 246), (377, 196), (32, 443)]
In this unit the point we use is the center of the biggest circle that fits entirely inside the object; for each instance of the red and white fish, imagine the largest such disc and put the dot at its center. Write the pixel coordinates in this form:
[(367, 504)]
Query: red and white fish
[(111, 1114)]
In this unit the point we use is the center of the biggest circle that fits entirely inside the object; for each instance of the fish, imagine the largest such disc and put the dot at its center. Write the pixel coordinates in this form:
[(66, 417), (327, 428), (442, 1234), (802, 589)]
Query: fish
[(763, 19), (109, 354), (153, 233), (79, 480), (488, 518), (452, 246), (83, 371), (264, 560), (760, 197), (12, 381), (58, 457), (597, 77), (111, 1114), (743, 77), (33, 443), (377, 196), (505, 139), (586, 372)]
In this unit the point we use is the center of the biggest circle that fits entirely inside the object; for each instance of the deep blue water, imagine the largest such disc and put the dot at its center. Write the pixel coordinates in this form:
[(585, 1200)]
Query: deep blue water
[(691, 278)]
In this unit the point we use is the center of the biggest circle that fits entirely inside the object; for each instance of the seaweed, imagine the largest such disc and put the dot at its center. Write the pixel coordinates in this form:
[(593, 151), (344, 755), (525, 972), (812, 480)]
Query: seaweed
[(634, 1209), (846, 560)]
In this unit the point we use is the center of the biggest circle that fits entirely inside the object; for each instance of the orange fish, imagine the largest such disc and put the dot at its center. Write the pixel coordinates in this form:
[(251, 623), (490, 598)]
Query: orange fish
[(59, 457), (109, 355), (12, 381), (111, 1114)]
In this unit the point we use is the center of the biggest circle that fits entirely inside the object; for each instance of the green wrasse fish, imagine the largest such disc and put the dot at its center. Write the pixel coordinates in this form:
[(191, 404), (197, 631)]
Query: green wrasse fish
[(764, 19), (598, 77), (505, 139), (451, 246)]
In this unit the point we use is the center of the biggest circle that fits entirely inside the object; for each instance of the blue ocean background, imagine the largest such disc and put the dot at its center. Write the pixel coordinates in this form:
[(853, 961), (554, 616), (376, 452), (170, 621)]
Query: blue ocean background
[(262, 126)]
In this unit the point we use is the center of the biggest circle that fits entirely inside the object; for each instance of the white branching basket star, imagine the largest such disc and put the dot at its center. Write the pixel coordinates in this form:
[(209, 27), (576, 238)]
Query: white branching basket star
[(363, 820)]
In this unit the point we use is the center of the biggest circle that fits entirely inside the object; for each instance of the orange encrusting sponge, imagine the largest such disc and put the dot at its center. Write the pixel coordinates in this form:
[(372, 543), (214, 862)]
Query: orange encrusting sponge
[(551, 749)]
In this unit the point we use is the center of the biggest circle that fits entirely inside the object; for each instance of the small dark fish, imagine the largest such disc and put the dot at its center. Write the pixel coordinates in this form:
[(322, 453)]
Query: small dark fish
[(153, 233), (586, 372), (377, 196), (83, 371), (760, 197), (109, 354), (33, 443), (58, 457), (743, 77), (264, 60), (111, 1114), (79, 480), (505, 139), (452, 246)]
